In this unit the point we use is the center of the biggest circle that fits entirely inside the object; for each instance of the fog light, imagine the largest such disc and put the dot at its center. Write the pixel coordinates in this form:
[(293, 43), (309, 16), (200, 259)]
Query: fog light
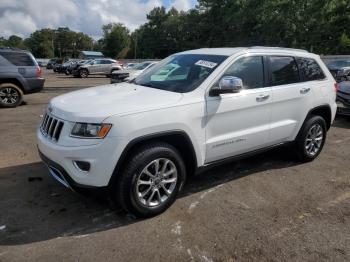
[(82, 165)]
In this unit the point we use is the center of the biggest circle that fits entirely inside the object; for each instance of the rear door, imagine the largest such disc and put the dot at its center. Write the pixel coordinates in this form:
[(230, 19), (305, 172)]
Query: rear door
[(292, 98), (106, 66)]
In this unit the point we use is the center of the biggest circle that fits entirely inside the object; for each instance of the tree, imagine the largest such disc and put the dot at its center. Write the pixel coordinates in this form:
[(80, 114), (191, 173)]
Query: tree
[(61, 42), (116, 37), (15, 41), (40, 43)]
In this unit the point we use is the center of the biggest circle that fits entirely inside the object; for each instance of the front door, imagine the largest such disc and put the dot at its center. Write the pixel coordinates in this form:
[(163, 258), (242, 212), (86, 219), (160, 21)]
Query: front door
[(239, 123)]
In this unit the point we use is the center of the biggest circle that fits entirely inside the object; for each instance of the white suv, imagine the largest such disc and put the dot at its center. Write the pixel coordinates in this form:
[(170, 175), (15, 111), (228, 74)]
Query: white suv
[(141, 139)]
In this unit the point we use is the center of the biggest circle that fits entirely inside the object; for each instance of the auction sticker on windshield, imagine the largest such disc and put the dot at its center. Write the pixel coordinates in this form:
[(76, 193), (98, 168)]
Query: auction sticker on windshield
[(207, 64)]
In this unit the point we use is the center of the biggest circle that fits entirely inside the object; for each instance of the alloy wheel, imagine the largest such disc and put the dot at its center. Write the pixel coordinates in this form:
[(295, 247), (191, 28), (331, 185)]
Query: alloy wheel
[(156, 182), (314, 140), (9, 96)]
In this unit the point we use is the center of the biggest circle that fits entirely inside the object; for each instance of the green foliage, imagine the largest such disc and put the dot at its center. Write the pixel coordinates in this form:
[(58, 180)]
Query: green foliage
[(116, 37), (12, 41), (320, 26)]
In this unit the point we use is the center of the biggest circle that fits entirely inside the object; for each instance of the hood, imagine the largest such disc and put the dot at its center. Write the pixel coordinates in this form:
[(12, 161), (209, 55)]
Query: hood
[(97, 103)]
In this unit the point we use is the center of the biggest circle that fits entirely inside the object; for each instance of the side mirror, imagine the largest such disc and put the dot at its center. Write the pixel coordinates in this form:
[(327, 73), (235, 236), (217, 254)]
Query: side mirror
[(92, 62), (227, 85)]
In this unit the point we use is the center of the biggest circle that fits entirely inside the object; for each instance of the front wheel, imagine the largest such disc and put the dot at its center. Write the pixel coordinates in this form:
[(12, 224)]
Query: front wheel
[(151, 180), (10, 95), (83, 73), (311, 139)]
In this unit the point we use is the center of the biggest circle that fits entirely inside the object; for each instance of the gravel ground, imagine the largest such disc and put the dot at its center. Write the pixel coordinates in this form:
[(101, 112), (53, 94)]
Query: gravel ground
[(265, 208)]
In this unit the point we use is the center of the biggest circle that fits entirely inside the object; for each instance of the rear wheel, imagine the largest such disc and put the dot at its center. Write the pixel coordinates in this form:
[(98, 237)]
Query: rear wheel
[(311, 138), (83, 73), (151, 180), (10, 95)]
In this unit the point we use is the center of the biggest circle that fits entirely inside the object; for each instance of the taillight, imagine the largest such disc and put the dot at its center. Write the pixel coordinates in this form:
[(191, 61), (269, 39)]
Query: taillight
[(38, 71), (336, 86)]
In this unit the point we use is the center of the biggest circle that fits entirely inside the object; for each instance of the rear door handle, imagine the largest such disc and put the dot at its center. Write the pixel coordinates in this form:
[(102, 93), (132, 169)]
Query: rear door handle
[(262, 97), (305, 90)]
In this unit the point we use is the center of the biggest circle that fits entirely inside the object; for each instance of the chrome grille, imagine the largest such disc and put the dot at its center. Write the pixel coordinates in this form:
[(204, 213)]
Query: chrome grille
[(51, 127)]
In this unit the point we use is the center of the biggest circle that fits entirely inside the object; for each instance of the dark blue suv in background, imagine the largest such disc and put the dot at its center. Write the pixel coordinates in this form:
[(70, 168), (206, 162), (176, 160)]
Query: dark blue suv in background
[(19, 74)]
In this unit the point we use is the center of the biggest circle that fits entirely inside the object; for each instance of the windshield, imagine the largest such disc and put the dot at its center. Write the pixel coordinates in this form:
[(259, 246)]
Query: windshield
[(141, 66), (180, 73)]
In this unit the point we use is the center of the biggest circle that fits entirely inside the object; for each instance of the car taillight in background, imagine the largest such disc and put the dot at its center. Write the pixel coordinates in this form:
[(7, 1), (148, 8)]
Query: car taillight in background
[(38, 71), (336, 87)]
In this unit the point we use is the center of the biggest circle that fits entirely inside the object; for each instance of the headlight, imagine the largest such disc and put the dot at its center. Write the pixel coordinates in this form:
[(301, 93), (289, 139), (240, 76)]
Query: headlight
[(85, 130)]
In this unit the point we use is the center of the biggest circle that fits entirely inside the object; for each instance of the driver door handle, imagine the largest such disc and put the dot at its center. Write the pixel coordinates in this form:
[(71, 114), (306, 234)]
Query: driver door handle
[(262, 97), (305, 90)]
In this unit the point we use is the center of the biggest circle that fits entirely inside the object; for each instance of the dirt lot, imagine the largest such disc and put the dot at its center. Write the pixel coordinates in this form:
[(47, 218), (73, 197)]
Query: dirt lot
[(266, 208)]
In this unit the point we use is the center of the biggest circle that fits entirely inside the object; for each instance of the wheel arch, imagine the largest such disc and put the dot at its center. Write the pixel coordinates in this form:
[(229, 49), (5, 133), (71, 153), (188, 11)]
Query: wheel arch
[(84, 68), (176, 138), (14, 81), (323, 111)]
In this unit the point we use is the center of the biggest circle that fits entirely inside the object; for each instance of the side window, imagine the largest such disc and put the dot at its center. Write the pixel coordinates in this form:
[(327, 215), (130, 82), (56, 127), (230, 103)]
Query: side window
[(18, 59), (250, 69), (309, 69), (284, 70), (107, 61)]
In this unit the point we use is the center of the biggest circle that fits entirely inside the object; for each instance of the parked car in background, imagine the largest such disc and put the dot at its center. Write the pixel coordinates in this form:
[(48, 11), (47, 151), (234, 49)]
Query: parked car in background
[(343, 98), (130, 65), (19, 74), (340, 69), (143, 138), (42, 62), (130, 74), (103, 66), (52, 62), (63, 68), (74, 66)]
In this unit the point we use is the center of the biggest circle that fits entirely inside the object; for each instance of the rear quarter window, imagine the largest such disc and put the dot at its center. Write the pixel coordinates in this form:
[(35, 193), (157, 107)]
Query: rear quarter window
[(309, 69), (18, 59)]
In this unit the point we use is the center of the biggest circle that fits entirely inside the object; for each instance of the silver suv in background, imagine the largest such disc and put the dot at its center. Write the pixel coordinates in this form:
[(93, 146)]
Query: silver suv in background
[(19, 74), (103, 66)]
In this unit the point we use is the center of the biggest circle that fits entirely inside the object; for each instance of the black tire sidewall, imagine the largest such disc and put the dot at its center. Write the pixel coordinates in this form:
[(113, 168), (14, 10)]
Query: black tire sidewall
[(301, 150), (86, 73), (131, 202), (19, 92)]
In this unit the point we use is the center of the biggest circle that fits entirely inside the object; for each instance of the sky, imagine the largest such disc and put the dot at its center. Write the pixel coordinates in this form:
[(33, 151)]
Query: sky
[(22, 17)]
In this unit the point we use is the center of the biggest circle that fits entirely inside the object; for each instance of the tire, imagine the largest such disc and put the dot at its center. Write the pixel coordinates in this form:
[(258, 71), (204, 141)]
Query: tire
[(67, 72), (311, 139), (10, 95), (128, 191), (83, 73)]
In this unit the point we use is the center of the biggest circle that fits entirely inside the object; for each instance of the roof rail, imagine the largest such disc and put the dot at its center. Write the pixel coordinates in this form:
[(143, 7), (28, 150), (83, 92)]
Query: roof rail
[(278, 48)]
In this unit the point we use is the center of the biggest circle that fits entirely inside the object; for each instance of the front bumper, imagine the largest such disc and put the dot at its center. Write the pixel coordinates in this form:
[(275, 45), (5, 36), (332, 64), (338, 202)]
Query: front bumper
[(343, 103), (102, 157), (343, 109), (119, 77)]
